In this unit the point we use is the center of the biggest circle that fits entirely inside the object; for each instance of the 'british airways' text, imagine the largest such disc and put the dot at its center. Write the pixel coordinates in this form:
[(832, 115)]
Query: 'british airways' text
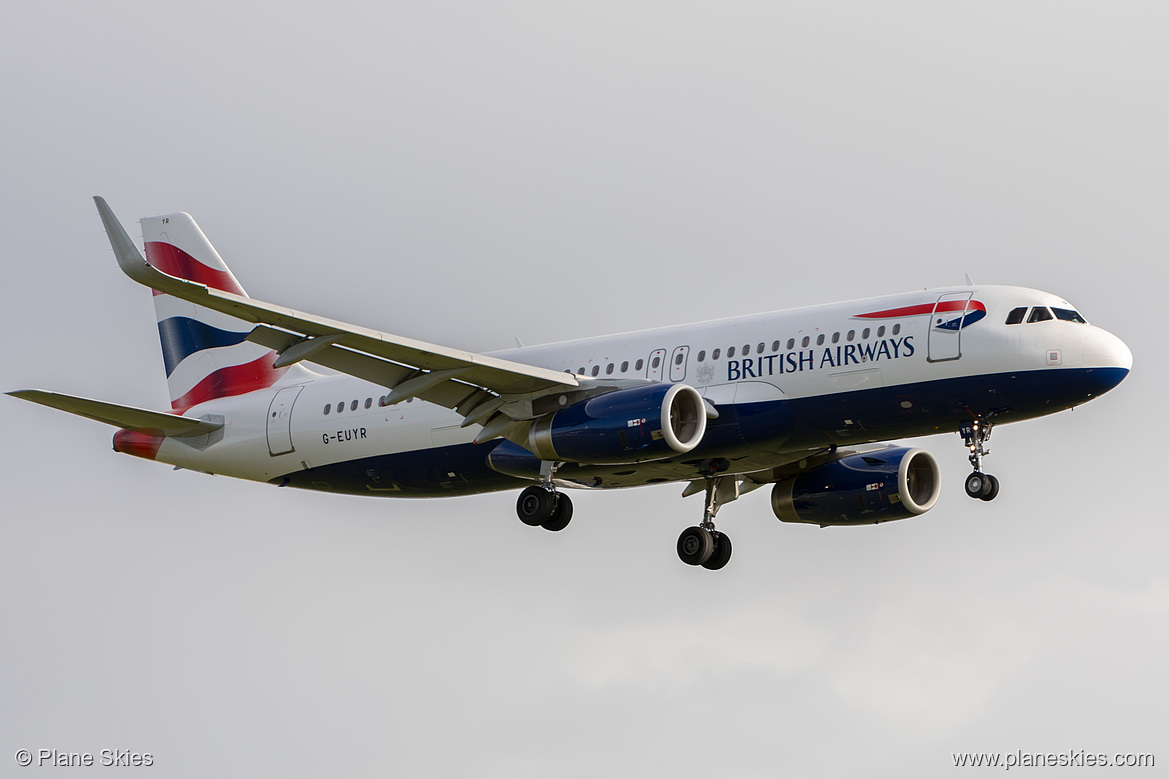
[(829, 357)]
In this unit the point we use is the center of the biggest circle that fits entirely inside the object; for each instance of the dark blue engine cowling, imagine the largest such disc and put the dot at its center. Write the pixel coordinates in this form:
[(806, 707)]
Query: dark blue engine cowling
[(624, 426), (860, 489)]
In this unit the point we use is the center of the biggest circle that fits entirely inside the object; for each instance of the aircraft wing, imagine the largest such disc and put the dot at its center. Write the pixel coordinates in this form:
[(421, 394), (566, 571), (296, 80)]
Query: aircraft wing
[(469, 382), (138, 419)]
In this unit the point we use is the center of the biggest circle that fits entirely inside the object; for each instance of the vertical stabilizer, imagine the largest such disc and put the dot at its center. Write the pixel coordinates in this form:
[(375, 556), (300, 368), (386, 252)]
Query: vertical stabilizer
[(205, 352)]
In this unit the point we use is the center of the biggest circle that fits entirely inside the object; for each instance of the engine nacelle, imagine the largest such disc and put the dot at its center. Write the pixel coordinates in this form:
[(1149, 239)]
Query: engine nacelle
[(624, 426), (860, 489)]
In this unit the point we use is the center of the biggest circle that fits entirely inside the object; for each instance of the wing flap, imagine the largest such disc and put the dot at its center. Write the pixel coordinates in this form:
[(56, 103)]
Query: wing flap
[(448, 393)]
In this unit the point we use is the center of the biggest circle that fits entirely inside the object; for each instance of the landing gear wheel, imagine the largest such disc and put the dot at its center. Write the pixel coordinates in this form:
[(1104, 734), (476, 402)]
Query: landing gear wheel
[(561, 513), (979, 485), (535, 506), (722, 552), (994, 488), (695, 546)]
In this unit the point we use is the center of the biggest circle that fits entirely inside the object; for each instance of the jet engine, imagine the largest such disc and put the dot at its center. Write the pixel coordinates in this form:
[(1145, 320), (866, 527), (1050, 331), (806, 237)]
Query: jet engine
[(860, 489), (629, 425)]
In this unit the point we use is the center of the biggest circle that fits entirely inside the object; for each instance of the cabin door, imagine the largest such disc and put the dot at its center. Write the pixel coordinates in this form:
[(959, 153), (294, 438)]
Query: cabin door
[(280, 421), (945, 334)]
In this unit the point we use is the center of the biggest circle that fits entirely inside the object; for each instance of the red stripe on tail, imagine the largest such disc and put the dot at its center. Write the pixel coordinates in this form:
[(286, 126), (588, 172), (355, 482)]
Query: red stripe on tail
[(173, 261), (230, 381)]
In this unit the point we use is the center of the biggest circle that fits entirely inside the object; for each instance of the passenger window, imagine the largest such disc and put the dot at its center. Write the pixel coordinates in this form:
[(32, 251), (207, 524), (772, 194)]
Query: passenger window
[(381, 401), (836, 338), (354, 406), (791, 343), (865, 334), (730, 352), (639, 365), (328, 408), (714, 355), (897, 329), (609, 369), (580, 370), (851, 334), (657, 361), (1068, 315), (820, 340), (368, 402), (881, 331), (746, 350), (702, 356), (805, 342), (625, 366), (340, 407), (596, 369), (678, 359), (1016, 315), (775, 346), (1039, 314), (760, 348)]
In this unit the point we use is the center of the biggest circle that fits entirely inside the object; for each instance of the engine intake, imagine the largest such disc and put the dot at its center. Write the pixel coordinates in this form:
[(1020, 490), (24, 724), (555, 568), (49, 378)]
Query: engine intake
[(624, 426), (860, 489)]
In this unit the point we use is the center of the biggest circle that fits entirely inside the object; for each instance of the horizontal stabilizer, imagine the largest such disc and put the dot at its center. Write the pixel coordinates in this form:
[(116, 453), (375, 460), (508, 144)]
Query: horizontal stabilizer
[(137, 419)]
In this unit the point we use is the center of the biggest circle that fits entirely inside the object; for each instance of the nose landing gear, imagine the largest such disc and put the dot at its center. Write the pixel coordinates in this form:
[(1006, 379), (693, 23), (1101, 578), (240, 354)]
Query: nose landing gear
[(703, 544), (975, 433)]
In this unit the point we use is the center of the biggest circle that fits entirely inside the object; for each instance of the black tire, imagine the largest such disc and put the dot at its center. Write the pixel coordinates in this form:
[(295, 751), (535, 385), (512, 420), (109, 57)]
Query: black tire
[(978, 485), (994, 488), (561, 514), (722, 552), (535, 505), (695, 546)]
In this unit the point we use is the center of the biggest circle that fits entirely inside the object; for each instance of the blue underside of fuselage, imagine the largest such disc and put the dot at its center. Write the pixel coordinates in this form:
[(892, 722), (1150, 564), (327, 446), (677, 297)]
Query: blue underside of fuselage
[(780, 427)]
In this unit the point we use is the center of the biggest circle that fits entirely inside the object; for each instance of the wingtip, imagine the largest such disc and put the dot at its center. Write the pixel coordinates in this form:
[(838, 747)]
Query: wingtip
[(130, 259)]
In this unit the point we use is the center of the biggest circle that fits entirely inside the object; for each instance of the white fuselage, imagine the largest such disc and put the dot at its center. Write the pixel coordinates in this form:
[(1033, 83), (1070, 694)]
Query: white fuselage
[(887, 358)]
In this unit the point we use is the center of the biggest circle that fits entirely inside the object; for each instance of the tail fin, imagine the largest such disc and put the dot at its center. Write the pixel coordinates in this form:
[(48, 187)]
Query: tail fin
[(205, 352)]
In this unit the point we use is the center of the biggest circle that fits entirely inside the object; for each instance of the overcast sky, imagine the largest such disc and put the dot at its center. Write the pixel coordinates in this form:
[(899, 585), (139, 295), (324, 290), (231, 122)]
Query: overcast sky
[(467, 173)]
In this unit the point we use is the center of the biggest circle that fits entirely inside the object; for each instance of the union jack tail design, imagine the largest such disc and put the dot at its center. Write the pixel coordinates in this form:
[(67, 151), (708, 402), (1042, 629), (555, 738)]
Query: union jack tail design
[(205, 353)]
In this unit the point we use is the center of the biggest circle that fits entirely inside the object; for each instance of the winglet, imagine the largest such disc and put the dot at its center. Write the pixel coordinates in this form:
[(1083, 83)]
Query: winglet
[(132, 262), (134, 265)]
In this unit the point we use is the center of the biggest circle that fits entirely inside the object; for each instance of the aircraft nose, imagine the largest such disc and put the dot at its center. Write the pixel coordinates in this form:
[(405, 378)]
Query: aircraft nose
[(1107, 358), (1104, 350)]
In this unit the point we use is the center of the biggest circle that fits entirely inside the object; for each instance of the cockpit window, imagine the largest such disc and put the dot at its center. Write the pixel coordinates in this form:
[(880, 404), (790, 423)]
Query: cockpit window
[(1068, 315), (1016, 315), (1039, 314)]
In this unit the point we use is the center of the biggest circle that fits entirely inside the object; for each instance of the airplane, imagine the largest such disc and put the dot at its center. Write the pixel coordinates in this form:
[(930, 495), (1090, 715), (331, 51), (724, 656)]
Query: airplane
[(805, 401)]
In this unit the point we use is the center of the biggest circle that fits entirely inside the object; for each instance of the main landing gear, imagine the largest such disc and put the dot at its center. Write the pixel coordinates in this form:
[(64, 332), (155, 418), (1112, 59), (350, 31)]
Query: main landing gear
[(702, 544), (543, 506), (975, 434)]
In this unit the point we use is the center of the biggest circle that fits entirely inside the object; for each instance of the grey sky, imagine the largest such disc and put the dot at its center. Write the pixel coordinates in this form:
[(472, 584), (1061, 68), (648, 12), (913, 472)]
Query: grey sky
[(466, 173)]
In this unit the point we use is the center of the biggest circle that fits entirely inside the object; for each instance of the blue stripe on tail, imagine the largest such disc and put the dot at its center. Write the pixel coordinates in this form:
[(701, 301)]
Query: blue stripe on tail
[(181, 337)]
